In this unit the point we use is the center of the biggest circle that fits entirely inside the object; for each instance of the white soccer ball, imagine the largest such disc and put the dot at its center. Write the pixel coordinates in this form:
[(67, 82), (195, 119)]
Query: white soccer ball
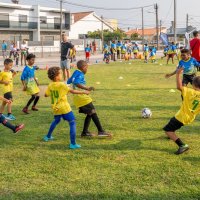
[(146, 113)]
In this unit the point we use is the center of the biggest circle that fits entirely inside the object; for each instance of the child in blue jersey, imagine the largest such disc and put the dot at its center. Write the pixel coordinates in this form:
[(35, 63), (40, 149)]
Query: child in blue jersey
[(152, 56), (30, 83), (119, 46), (171, 52), (84, 102), (166, 49), (146, 53), (87, 53), (113, 50), (135, 51), (189, 66), (123, 51)]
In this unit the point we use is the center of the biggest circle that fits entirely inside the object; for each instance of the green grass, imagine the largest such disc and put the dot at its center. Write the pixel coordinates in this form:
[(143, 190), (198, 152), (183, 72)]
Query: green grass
[(138, 163)]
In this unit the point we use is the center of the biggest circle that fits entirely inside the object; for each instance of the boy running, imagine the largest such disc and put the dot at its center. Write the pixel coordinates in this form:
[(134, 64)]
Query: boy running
[(189, 109), (84, 102), (5, 123), (6, 80), (146, 53), (58, 91), (30, 83), (189, 66)]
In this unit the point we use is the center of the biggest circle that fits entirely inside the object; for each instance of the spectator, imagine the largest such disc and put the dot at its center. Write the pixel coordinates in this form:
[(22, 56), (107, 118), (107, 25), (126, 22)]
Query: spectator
[(4, 49)]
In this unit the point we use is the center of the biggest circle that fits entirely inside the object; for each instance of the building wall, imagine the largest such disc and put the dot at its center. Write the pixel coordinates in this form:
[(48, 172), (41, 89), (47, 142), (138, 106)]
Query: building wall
[(88, 23)]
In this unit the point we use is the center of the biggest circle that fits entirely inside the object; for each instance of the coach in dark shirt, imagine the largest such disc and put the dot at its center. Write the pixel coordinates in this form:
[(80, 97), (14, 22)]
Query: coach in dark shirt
[(65, 51)]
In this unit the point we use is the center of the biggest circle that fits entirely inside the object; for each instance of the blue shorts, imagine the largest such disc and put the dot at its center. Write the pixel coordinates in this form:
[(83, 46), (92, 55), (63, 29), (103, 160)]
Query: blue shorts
[(67, 117)]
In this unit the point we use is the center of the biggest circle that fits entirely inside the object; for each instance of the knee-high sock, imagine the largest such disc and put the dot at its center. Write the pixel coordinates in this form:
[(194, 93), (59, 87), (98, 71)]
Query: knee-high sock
[(72, 125), (30, 101), (6, 123), (97, 122), (53, 125), (36, 100), (87, 123)]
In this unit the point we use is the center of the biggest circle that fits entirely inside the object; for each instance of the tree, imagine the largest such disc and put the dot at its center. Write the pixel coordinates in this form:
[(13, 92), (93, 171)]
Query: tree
[(134, 36)]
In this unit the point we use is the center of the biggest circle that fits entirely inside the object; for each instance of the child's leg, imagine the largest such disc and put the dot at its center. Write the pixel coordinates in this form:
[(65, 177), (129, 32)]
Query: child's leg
[(96, 121), (30, 101), (6, 123), (86, 124), (2, 107), (56, 121), (72, 123), (35, 102)]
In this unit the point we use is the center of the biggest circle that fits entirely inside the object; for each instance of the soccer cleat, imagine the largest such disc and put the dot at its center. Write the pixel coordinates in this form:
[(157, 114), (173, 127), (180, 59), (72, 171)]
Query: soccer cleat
[(19, 128), (46, 139), (104, 134), (182, 149), (34, 108), (25, 110), (10, 117), (87, 134), (74, 146)]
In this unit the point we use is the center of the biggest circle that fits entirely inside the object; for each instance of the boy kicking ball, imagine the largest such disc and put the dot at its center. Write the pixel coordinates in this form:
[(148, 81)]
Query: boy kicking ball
[(58, 91), (189, 109), (3, 120), (84, 102)]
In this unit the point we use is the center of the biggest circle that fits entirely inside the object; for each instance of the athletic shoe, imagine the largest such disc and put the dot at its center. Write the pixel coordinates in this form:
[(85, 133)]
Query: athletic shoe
[(74, 146), (10, 117), (182, 149), (34, 108), (25, 110), (19, 128), (104, 134), (87, 134), (46, 139)]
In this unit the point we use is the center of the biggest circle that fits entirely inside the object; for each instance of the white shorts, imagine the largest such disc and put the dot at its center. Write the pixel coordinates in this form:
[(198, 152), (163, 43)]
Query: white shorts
[(65, 64)]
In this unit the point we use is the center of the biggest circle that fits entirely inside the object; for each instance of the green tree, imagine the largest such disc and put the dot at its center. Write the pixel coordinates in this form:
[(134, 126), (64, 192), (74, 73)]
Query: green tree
[(134, 36)]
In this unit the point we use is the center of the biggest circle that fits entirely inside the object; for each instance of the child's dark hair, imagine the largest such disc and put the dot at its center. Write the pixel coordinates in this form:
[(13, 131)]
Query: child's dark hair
[(195, 33), (81, 64), (187, 51), (30, 56), (196, 82), (53, 72), (8, 61)]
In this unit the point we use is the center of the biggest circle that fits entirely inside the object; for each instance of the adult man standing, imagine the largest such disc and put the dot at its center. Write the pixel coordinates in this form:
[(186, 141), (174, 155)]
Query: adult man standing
[(195, 46), (65, 51), (4, 49)]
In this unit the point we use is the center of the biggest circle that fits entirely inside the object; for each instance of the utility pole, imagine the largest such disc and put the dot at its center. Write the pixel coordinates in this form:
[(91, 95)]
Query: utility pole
[(160, 26), (157, 25), (175, 19), (143, 27), (61, 14), (102, 36), (187, 22)]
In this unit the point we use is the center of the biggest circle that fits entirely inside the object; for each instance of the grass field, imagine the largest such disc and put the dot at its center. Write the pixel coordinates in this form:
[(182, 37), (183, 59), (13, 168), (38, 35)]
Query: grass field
[(137, 163)]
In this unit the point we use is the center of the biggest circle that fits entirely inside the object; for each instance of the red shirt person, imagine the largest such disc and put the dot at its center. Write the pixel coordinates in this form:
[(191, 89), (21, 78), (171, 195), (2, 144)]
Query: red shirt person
[(195, 46)]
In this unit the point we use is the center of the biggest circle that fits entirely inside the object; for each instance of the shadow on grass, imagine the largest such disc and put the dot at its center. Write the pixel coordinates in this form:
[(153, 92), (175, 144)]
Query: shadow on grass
[(192, 160)]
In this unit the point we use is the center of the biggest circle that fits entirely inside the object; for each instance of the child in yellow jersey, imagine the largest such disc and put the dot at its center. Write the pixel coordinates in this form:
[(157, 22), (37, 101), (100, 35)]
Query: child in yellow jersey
[(84, 102), (3, 120), (58, 91), (6, 81), (189, 109)]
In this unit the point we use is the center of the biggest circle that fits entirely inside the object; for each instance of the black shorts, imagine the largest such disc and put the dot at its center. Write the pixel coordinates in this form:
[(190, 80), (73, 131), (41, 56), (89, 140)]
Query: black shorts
[(8, 96), (188, 79), (87, 109), (173, 125)]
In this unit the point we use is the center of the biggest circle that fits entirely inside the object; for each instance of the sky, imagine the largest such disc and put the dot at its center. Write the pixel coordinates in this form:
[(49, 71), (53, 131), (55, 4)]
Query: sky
[(132, 18)]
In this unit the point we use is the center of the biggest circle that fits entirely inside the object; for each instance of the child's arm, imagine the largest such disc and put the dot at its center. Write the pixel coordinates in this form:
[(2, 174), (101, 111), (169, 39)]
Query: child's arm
[(24, 85), (79, 92), (4, 82), (171, 74), (179, 84), (85, 88)]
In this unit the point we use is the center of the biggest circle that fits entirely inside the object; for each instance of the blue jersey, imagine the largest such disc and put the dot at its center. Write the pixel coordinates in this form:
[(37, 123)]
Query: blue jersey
[(146, 48), (190, 66), (172, 47), (154, 50), (28, 73), (152, 53), (87, 49), (4, 46), (78, 77), (113, 46), (166, 49)]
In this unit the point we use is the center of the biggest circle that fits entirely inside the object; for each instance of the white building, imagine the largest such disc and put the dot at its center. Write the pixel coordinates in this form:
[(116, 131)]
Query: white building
[(83, 22), (34, 23)]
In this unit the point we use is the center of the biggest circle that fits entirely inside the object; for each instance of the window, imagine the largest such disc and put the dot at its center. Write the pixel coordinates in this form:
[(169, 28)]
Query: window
[(43, 20), (4, 20), (56, 23), (23, 18)]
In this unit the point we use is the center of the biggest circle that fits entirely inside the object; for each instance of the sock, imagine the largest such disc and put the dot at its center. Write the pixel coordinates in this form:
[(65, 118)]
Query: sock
[(179, 142), (9, 114), (30, 101), (72, 125), (53, 125), (97, 122), (87, 123), (36, 100), (6, 123)]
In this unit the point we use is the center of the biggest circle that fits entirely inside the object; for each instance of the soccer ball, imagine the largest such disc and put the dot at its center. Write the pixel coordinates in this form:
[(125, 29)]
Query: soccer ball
[(146, 113)]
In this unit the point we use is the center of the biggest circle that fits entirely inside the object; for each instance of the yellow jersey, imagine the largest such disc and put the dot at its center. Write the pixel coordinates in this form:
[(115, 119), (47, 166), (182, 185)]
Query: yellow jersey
[(58, 92), (8, 77), (190, 106)]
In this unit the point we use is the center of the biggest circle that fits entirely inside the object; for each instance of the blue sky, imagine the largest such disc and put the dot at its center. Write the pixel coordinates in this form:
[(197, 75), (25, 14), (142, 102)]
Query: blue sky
[(132, 18)]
